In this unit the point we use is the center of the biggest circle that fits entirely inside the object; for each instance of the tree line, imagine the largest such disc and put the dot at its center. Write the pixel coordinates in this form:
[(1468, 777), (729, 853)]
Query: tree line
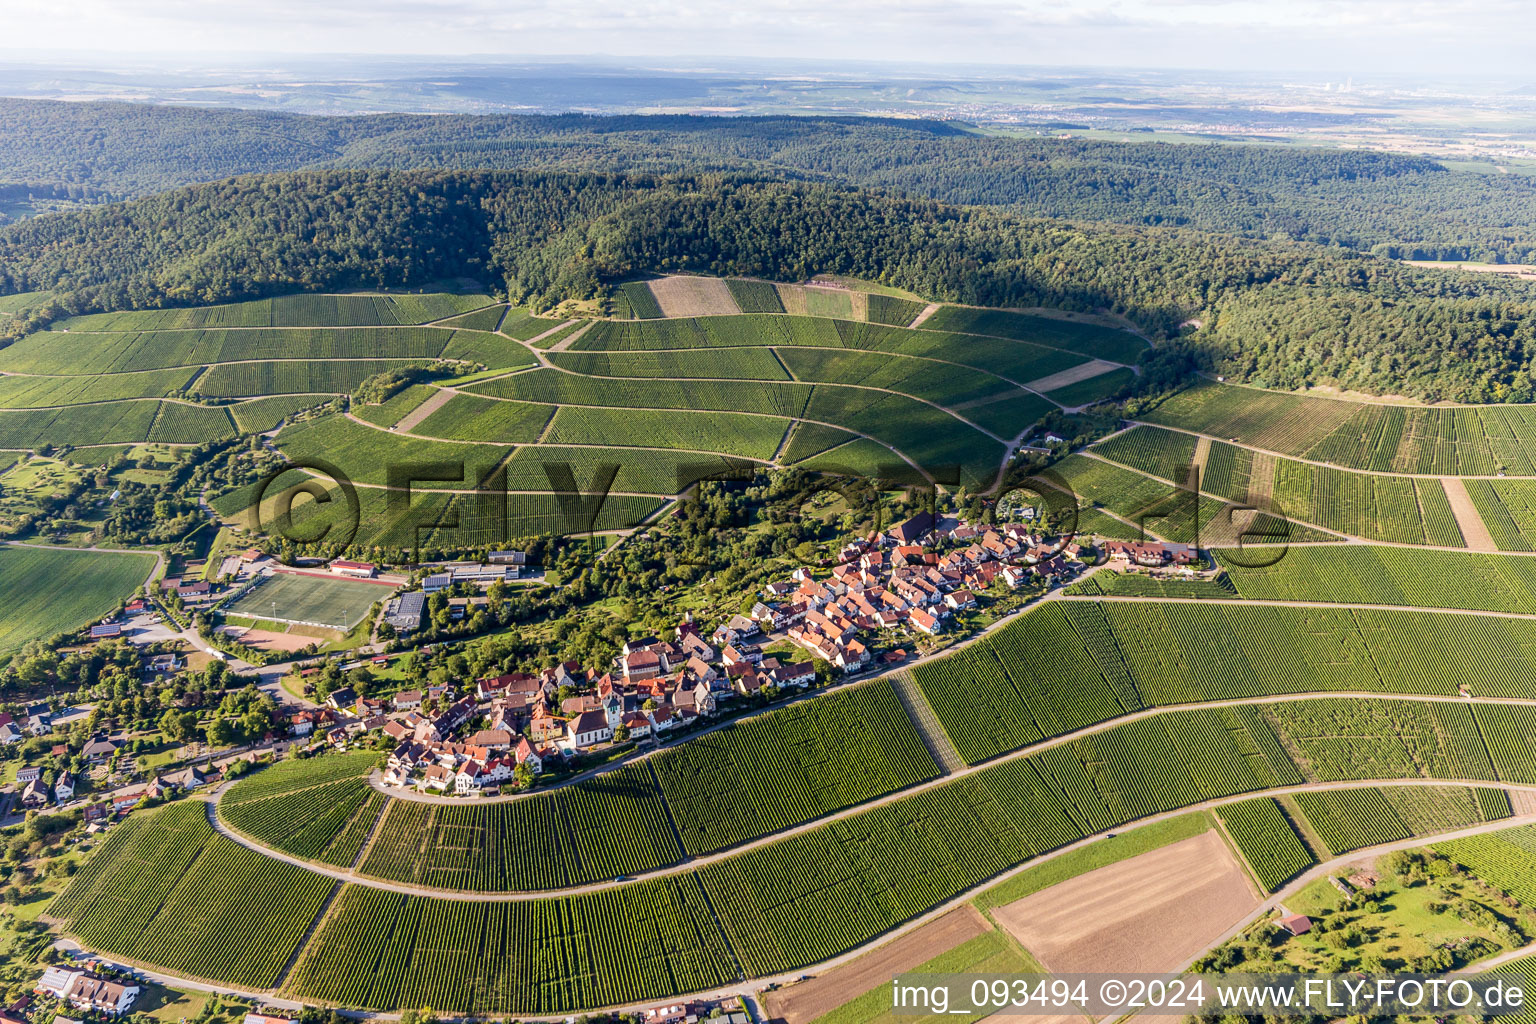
[(1273, 312), (1399, 206)]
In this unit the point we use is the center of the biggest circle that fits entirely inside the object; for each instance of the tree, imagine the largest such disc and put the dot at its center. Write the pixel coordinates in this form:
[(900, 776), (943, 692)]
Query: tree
[(178, 725), (221, 732)]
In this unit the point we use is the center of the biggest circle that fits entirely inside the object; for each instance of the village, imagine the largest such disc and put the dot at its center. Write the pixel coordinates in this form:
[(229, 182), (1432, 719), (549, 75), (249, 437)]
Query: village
[(888, 596)]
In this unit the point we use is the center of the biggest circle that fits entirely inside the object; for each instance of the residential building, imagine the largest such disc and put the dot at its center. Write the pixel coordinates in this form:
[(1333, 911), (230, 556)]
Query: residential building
[(87, 991)]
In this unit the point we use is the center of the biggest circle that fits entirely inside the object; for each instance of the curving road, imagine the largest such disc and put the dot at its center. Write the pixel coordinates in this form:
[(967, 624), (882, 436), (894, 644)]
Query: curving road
[(689, 864)]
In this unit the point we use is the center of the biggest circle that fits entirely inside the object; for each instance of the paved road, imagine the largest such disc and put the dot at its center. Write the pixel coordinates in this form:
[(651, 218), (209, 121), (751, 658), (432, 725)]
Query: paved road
[(1027, 751), (1363, 857), (750, 989)]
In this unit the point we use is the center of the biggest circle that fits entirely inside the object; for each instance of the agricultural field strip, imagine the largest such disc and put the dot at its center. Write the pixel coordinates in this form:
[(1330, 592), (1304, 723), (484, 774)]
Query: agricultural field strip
[(1374, 542), (1090, 453), (922, 787), (1249, 602), (120, 401), (1313, 462), (535, 444), (738, 412), (916, 326), (1139, 526), (844, 350), (820, 384)]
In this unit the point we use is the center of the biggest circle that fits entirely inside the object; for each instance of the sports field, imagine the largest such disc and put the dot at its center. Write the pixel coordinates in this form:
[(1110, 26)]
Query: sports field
[(328, 600)]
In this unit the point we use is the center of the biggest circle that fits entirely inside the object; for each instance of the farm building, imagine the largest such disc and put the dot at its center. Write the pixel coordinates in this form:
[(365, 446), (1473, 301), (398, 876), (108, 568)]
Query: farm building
[(1296, 924)]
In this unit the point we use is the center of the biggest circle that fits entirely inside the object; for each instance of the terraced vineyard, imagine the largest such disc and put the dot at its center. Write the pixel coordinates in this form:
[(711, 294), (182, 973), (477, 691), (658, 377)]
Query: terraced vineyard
[(1069, 664), (1476, 441), (840, 365), (775, 906), (322, 809), (1267, 840), (1349, 819), (1363, 574), (778, 841), (168, 890), (1505, 859), (731, 786), (613, 825), (1395, 509)]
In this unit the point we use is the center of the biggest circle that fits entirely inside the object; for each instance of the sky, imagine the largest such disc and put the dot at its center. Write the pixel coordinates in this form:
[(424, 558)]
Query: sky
[(1342, 36)]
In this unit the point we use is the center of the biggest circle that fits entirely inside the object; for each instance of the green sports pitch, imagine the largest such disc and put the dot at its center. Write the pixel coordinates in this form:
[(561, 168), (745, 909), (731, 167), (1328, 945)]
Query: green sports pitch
[(316, 600)]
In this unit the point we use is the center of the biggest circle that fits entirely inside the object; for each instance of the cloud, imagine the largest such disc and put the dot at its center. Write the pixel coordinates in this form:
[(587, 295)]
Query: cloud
[(1400, 35)]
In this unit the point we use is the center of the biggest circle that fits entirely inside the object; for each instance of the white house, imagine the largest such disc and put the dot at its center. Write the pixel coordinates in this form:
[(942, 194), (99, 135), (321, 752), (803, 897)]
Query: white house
[(86, 991), (468, 778), (589, 729)]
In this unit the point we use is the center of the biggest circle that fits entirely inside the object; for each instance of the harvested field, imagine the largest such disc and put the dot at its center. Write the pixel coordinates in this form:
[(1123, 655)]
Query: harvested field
[(693, 296), (1072, 375), (824, 993), (1154, 912), (1467, 518)]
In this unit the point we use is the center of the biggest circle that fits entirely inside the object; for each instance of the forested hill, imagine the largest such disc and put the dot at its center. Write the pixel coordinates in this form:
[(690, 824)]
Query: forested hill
[(1276, 313), (1399, 206)]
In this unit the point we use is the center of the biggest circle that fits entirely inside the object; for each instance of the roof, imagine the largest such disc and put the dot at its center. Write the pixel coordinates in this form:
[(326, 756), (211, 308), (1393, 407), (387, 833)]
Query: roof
[(590, 721)]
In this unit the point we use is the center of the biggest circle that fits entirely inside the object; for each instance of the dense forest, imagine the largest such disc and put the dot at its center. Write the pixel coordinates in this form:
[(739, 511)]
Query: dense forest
[(1276, 313), (1404, 207)]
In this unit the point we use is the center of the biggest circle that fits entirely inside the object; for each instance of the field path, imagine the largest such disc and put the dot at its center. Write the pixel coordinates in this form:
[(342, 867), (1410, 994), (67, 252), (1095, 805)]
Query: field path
[(1202, 454), (566, 342), (928, 311), (689, 864), (1473, 530), (440, 398), (927, 723)]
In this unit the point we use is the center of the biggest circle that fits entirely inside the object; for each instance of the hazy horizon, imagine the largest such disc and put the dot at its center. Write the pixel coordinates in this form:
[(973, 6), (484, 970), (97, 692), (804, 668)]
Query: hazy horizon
[(1363, 37)]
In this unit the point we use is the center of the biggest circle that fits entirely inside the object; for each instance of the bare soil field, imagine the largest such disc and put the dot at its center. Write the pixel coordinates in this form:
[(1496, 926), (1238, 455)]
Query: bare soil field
[(264, 640), (1071, 375), (1154, 912), (824, 993), (1522, 801), (1473, 530), (1521, 270), (693, 296)]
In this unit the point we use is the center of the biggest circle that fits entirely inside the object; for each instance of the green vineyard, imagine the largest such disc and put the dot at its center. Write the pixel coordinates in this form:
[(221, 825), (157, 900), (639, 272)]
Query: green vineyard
[(772, 907), (1267, 841), (167, 890)]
